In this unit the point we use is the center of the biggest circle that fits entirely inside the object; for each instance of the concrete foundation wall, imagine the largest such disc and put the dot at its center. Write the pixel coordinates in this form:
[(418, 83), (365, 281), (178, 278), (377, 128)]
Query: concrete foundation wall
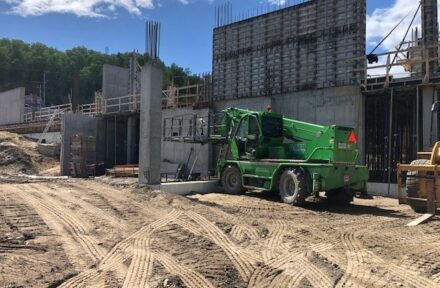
[(74, 124), (381, 189), (330, 106), (257, 104), (179, 153), (114, 81), (50, 137), (344, 106), (12, 106)]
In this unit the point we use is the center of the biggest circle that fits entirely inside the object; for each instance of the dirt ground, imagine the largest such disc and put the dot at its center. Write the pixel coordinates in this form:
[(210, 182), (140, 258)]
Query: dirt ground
[(19, 155), (89, 233)]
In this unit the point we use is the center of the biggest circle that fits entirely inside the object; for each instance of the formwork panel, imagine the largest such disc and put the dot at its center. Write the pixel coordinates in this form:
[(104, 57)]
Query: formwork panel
[(306, 46)]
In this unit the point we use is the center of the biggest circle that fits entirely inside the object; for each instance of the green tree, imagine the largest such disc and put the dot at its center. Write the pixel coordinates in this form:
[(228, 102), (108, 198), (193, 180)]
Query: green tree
[(23, 64)]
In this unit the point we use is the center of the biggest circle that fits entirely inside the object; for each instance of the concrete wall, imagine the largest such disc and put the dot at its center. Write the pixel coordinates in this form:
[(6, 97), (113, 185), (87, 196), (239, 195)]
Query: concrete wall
[(381, 189), (344, 106), (256, 104), (179, 153), (114, 81), (12, 106), (337, 105), (101, 140), (150, 126), (73, 124), (50, 137)]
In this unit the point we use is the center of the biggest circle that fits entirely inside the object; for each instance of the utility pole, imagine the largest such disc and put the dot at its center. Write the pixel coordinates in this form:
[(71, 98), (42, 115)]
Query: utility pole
[(44, 89)]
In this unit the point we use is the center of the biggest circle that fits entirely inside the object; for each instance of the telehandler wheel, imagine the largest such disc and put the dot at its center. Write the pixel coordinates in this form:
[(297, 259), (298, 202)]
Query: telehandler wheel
[(231, 180), (412, 187), (293, 187), (341, 196)]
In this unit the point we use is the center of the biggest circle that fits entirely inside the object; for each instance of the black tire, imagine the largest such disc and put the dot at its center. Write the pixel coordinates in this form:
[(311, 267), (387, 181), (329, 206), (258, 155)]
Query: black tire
[(293, 187), (232, 181), (412, 188), (341, 196)]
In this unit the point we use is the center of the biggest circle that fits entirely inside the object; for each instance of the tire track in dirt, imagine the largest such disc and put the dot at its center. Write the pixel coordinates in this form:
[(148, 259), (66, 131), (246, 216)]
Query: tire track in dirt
[(259, 276), (242, 260), (359, 272), (315, 276), (188, 225), (78, 229), (188, 276), (90, 209), (240, 232), (280, 263), (21, 217), (407, 275), (419, 266), (291, 277), (120, 252), (278, 272), (355, 270), (276, 235), (141, 266), (233, 252), (101, 189), (240, 228)]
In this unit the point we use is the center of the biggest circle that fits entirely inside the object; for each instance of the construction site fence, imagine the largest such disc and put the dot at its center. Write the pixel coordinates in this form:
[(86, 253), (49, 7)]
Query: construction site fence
[(44, 114), (125, 104), (187, 96), (175, 97)]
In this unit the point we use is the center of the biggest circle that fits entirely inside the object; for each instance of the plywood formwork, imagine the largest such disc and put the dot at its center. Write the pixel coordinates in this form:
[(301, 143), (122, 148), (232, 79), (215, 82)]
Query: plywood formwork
[(315, 44)]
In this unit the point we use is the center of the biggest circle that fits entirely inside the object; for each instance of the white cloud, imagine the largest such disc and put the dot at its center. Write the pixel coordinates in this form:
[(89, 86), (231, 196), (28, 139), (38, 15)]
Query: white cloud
[(277, 2), (89, 8), (382, 21), (85, 8)]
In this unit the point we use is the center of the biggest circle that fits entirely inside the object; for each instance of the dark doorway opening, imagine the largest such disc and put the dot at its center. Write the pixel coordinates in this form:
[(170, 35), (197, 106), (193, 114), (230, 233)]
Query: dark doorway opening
[(381, 150)]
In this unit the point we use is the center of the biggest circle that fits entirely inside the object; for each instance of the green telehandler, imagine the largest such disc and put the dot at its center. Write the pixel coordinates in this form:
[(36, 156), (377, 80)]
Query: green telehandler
[(264, 151)]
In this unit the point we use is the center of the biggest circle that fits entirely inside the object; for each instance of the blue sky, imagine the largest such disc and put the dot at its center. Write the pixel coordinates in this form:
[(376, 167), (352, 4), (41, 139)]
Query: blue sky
[(186, 24)]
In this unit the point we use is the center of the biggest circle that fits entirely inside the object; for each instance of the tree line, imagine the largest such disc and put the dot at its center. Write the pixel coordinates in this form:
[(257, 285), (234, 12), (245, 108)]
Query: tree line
[(29, 64)]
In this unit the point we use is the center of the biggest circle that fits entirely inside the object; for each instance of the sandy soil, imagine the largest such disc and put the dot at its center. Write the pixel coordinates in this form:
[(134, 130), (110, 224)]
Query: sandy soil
[(19, 155), (87, 233)]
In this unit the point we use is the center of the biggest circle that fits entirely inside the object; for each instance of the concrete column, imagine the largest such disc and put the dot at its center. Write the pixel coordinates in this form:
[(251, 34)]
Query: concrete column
[(131, 126), (360, 127), (150, 144), (428, 128)]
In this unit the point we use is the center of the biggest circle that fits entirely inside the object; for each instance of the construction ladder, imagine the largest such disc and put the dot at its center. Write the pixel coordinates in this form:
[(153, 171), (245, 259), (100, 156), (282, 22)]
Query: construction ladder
[(49, 123)]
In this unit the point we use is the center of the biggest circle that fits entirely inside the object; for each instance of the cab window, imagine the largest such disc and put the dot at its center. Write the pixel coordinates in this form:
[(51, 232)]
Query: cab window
[(242, 131)]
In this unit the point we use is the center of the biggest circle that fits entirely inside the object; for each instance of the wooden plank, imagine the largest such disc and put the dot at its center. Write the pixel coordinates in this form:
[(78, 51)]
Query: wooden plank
[(420, 220), (407, 167)]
